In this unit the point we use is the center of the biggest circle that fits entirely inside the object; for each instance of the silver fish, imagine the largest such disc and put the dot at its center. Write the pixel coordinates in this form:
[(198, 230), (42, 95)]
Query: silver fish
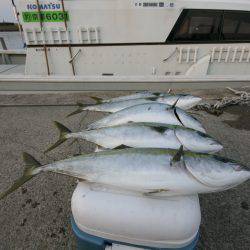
[(143, 135), (182, 101), (138, 95), (147, 171), (154, 112)]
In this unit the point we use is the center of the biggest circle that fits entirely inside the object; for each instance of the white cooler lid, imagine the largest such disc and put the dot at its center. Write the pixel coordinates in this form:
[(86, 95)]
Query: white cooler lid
[(164, 223)]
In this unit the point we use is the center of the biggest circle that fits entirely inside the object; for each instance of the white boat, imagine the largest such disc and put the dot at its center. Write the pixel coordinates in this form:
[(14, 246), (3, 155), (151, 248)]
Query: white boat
[(133, 44)]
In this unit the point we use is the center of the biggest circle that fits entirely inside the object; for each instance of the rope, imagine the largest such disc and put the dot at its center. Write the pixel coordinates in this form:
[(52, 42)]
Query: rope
[(242, 98)]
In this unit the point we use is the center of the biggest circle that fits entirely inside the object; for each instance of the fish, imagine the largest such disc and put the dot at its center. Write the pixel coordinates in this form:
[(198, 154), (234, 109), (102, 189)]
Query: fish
[(182, 101), (137, 95), (145, 171), (142, 135), (109, 107), (153, 112)]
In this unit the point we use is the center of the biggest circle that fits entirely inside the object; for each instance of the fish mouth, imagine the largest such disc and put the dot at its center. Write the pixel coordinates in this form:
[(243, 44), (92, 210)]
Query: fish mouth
[(192, 102), (195, 101), (201, 129), (215, 147)]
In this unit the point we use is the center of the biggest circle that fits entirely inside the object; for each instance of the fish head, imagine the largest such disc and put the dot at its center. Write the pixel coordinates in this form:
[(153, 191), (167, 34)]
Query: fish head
[(197, 141), (183, 101), (188, 120), (188, 101), (216, 172)]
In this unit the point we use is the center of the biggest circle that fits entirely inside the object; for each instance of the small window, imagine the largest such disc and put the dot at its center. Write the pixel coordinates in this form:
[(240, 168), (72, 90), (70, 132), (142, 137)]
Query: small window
[(236, 26), (197, 25)]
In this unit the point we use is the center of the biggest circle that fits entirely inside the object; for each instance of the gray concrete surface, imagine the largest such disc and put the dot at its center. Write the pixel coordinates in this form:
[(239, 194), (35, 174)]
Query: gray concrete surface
[(38, 215)]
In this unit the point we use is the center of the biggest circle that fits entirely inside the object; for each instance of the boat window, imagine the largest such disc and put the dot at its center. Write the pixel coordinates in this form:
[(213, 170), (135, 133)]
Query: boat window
[(197, 25), (204, 26), (236, 26)]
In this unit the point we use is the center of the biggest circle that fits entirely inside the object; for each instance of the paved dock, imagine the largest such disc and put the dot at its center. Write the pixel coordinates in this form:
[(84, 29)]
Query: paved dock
[(37, 216)]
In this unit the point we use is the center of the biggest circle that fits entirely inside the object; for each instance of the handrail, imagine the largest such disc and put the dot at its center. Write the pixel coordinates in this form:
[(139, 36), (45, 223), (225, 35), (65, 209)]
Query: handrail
[(69, 46), (74, 57), (13, 52), (44, 45), (16, 14)]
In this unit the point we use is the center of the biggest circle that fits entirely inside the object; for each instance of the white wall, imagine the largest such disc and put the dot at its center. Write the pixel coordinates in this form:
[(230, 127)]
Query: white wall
[(13, 40)]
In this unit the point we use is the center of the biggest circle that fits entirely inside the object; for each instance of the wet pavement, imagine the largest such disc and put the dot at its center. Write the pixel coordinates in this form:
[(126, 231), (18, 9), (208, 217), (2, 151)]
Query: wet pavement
[(37, 216)]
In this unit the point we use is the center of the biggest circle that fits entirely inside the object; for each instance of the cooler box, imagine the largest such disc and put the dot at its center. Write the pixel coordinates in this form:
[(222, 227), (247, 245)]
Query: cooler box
[(103, 219)]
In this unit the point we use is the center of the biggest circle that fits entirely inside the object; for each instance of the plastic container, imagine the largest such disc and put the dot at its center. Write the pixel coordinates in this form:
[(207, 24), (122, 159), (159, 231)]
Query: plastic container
[(102, 218)]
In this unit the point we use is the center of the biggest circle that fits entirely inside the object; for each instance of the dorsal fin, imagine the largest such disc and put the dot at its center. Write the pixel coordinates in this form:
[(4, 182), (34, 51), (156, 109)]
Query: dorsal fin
[(157, 94), (151, 98), (122, 146)]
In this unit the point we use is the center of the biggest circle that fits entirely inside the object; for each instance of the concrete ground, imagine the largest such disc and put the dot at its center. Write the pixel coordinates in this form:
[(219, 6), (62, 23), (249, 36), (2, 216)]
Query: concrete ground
[(37, 216)]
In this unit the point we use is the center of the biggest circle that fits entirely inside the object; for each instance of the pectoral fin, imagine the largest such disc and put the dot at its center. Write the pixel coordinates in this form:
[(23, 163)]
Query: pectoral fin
[(178, 155), (156, 191)]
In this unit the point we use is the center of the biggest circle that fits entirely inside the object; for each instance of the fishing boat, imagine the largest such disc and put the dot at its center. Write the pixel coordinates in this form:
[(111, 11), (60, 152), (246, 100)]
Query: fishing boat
[(132, 44)]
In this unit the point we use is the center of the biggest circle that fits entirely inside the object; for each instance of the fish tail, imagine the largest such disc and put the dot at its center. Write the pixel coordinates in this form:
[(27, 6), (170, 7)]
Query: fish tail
[(29, 172), (80, 109), (62, 137), (98, 100)]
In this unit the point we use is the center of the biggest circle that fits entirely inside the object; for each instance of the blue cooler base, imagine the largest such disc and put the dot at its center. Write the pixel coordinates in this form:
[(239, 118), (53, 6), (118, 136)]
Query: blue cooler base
[(89, 242)]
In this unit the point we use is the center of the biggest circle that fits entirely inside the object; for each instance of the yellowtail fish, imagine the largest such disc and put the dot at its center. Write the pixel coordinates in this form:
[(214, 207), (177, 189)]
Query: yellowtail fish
[(152, 113), (182, 101), (143, 135), (147, 171)]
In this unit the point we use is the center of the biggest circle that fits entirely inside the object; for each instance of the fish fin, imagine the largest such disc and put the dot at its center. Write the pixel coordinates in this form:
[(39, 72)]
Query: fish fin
[(159, 129), (178, 155), (98, 100), (157, 94), (79, 109), (30, 161), (62, 138), (62, 129), (156, 191), (31, 164), (122, 146), (152, 98), (74, 141)]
